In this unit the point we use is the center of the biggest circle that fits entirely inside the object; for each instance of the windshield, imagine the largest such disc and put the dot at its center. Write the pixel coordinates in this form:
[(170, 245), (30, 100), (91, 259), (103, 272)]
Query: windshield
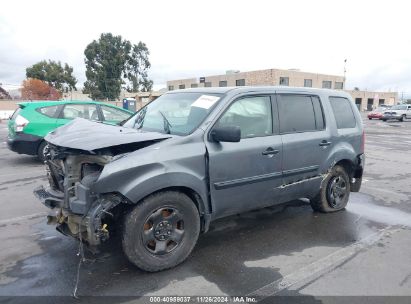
[(175, 113), (399, 107)]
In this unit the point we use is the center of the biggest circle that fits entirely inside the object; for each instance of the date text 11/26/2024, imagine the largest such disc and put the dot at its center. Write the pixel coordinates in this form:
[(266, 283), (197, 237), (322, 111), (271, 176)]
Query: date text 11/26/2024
[(202, 299)]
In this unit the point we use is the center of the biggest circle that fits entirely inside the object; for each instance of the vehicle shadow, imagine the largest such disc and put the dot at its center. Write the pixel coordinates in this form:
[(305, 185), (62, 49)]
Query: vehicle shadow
[(237, 256)]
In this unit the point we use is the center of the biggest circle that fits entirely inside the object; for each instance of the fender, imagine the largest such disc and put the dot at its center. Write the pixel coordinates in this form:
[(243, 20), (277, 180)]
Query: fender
[(142, 187), (139, 182), (340, 151)]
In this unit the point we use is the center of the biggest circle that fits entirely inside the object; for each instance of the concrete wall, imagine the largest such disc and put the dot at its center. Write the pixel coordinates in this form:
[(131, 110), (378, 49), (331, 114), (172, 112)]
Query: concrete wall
[(367, 101), (76, 95), (261, 77), (9, 105)]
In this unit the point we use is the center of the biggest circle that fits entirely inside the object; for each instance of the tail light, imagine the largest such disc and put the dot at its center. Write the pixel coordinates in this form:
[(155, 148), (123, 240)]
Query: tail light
[(19, 123), (363, 142)]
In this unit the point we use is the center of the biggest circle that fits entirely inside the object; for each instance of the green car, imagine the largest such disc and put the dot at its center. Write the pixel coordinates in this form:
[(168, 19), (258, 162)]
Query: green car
[(33, 120)]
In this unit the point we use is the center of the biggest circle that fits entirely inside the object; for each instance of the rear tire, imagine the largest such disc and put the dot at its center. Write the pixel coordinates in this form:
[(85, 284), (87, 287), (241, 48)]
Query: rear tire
[(334, 192), (369, 118), (41, 150), (161, 231)]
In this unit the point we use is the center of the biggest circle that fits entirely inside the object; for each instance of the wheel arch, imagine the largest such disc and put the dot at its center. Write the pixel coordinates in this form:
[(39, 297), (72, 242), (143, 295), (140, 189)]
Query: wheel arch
[(192, 194), (198, 200), (348, 166)]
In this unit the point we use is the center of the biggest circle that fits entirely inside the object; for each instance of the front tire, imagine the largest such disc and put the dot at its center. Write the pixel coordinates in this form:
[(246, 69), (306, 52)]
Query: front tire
[(161, 231), (334, 192)]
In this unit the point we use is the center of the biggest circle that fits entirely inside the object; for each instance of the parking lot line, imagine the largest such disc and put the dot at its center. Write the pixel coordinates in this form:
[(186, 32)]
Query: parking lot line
[(314, 270), (23, 218), (25, 172)]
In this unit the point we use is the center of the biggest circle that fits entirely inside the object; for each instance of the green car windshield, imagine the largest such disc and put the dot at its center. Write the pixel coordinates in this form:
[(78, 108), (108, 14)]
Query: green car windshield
[(176, 113)]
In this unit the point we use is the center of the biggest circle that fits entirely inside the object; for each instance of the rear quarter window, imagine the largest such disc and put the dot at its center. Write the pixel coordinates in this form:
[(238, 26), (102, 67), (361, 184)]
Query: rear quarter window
[(49, 111), (343, 112)]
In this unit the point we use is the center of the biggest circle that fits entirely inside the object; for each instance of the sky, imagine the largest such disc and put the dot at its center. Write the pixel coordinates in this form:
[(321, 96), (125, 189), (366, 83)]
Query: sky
[(199, 38)]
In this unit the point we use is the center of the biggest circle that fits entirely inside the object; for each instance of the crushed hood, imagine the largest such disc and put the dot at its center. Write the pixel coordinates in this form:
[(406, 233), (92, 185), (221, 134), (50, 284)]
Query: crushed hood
[(87, 135)]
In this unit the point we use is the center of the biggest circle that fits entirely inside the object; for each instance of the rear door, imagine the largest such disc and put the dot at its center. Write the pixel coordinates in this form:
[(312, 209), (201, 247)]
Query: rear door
[(44, 120), (306, 143), (246, 175)]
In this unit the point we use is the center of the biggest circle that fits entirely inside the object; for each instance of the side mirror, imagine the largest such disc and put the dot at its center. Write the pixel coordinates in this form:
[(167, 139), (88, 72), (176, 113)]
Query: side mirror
[(226, 134)]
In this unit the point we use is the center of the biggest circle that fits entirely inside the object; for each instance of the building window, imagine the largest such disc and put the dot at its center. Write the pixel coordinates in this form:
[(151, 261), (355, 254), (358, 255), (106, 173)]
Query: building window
[(170, 88), (284, 81), (194, 85), (338, 85), (308, 83), (240, 82), (207, 84), (222, 83), (370, 103), (326, 84), (182, 86), (358, 102)]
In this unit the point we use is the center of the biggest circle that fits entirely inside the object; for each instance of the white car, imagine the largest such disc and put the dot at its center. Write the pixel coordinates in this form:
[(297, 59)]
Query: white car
[(398, 112)]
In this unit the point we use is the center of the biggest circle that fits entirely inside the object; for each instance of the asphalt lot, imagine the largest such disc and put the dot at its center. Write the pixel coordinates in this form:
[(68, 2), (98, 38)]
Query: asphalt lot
[(285, 250)]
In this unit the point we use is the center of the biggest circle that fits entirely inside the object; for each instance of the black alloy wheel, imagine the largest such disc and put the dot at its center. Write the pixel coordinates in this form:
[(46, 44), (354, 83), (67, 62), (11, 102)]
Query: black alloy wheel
[(163, 231), (336, 191)]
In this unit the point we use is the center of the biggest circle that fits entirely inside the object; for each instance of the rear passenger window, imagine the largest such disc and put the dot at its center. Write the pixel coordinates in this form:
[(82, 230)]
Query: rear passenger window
[(87, 111), (251, 114), (343, 112), (48, 111), (300, 113)]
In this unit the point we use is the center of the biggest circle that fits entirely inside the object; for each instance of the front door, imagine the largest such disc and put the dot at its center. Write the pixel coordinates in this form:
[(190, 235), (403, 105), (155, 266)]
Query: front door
[(246, 175)]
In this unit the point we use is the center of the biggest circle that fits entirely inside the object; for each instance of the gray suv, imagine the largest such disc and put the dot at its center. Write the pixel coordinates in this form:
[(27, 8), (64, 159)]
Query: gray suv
[(193, 156)]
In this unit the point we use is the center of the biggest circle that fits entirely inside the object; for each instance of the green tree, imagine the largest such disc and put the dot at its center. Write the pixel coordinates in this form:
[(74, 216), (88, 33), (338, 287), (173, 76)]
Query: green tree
[(137, 67), (112, 63), (52, 72)]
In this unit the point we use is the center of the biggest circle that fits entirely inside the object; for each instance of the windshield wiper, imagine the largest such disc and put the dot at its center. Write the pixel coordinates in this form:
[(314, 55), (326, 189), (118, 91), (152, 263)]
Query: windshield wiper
[(167, 125)]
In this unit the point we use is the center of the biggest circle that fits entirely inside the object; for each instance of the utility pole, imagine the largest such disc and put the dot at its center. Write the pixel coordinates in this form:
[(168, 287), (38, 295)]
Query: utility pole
[(345, 71)]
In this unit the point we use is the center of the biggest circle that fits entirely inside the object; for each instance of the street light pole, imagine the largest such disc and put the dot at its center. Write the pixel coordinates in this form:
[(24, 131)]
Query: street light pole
[(345, 71)]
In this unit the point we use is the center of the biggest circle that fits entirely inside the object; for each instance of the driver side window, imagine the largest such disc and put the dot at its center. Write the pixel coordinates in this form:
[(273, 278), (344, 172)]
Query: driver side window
[(252, 114)]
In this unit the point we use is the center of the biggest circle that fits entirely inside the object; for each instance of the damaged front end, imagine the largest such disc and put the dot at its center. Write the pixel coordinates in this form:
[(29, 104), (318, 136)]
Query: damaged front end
[(75, 157), (77, 210)]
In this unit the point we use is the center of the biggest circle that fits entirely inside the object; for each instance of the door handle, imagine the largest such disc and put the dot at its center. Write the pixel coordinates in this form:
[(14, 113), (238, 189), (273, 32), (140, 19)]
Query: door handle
[(324, 143), (270, 151)]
